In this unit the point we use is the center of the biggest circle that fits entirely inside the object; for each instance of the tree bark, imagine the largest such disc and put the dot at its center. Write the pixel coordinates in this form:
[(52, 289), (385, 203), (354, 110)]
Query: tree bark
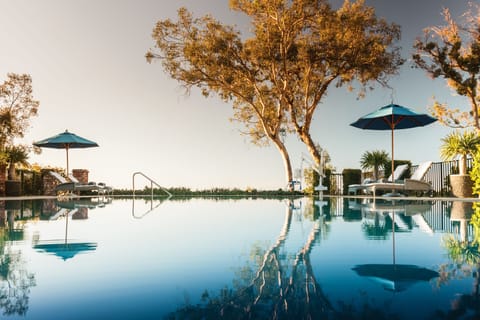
[(312, 149), (462, 164), (11, 172), (286, 161)]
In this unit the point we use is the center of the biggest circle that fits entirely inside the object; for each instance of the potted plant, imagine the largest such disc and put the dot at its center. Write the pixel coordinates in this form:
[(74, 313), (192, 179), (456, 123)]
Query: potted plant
[(14, 155), (460, 145)]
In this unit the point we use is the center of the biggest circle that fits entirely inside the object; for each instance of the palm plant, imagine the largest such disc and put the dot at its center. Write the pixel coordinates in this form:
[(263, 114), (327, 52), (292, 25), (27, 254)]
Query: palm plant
[(460, 145), (15, 155), (374, 160)]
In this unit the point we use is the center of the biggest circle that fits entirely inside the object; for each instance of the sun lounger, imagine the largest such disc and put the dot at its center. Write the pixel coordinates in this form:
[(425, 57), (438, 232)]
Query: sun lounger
[(102, 188), (71, 185), (414, 184), (397, 174)]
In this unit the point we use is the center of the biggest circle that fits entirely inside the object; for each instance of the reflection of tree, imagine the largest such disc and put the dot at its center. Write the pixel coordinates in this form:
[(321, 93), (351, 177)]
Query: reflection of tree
[(376, 228), (15, 283), (464, 255), (278, 285), (15, 280)]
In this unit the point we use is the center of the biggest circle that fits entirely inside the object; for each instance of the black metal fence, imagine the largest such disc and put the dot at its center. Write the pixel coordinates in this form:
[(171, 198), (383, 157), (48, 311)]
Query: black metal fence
[(437, 176)]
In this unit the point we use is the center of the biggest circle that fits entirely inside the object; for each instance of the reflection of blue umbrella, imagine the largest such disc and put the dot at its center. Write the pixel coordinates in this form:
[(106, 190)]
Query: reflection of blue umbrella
[(395, 277), (64, 248), (393, 117), (65, 140)]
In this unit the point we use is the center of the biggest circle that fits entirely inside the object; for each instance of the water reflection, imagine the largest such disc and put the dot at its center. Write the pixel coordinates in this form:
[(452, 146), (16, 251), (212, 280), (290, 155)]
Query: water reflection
[(381, 217), (395, 277), (283, 285), (463, 249), (305, 272), (279, 283), (15, 279), (75, 209)]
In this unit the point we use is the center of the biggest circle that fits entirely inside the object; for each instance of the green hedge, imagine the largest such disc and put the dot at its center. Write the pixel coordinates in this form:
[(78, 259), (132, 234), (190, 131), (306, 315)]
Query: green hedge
[(351, 176)]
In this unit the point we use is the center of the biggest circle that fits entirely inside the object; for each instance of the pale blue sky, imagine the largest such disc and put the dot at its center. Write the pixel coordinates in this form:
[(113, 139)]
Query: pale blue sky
[(87, 62)]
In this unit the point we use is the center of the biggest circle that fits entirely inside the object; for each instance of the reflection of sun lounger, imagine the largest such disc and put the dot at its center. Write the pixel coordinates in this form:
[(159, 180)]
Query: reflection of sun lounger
[(422, 224), (63, 212), (398, 220)]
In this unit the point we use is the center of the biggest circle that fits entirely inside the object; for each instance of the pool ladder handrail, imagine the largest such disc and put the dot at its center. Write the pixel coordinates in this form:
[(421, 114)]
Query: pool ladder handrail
[(152, 182)]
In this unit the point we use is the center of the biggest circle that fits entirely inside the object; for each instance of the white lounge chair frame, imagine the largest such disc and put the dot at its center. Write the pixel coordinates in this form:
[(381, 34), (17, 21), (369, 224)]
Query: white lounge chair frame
[(413, 184), (397, 174)]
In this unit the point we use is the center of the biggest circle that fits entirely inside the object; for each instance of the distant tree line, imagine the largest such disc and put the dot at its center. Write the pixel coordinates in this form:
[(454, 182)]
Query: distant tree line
[(223, 192)]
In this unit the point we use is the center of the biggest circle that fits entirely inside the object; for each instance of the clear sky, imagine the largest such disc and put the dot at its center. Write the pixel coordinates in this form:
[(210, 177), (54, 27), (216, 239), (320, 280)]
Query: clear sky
[(89, 73)]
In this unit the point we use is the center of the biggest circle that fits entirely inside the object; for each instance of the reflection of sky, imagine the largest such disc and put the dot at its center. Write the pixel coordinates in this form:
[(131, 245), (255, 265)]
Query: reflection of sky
[(144, 268)]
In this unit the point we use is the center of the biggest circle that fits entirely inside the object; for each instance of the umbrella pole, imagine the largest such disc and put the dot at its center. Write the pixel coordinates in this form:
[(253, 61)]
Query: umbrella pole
[(393, 237), (393, 157), (66, 226), (66, 148)]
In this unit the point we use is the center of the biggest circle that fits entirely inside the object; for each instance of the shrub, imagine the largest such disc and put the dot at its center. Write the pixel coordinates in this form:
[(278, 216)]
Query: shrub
[(351, 176)]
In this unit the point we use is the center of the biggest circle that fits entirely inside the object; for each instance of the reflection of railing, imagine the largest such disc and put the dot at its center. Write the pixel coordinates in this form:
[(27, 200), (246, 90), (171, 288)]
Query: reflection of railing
[(152, 207)]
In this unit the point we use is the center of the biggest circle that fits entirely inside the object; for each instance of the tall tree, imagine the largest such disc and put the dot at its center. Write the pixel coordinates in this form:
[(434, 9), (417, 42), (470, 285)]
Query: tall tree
[(17, 106), (306, 46), (452, 52), (277, 77)]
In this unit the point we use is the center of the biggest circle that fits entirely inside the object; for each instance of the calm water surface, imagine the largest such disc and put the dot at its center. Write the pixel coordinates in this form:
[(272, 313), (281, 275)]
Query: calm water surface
[(261, 259)]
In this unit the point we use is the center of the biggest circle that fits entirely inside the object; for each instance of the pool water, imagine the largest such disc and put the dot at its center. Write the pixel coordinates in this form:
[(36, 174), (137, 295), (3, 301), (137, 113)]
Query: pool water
[(338, 258)]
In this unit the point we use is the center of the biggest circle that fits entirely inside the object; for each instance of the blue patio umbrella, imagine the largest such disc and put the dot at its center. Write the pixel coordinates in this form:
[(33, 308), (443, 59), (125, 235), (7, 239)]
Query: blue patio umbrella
[(391, 117), (65, 140)]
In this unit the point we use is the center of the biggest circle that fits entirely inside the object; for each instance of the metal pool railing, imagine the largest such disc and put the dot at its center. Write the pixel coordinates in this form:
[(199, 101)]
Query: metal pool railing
[(152, 182)]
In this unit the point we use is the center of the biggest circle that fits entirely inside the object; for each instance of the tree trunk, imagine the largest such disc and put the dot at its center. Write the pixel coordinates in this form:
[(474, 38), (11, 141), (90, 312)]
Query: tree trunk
[(286, 161), (312, 149), (375, 173), (462, 165), (11, 172)]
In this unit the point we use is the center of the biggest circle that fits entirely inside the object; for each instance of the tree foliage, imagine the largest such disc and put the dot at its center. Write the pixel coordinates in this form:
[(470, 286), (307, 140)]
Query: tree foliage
[(375, 160), (460, 145), (16, 154), (17, 106), (452, 52), (277, 77)]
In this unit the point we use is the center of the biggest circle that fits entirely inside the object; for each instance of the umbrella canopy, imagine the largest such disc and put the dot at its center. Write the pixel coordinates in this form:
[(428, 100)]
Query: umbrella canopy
[(65, 140), (391, 117)]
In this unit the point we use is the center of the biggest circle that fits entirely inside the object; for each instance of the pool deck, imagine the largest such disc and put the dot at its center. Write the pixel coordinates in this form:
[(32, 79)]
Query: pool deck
[(325, 196)]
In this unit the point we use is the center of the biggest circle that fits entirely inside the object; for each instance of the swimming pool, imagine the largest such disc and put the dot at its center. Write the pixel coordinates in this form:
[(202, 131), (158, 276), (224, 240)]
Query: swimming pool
[(338, 258)]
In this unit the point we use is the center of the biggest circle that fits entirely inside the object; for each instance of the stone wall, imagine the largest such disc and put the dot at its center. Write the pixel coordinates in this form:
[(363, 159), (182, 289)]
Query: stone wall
[(49, 183), (81, 175)]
